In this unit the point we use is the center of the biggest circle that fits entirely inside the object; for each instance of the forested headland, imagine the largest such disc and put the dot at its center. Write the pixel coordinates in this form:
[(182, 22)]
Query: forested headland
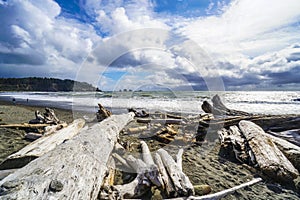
[(44, 84)]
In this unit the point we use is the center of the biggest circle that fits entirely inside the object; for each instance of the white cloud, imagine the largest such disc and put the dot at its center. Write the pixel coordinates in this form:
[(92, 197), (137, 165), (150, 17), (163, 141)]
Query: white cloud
[(247, 29), (33, 33)]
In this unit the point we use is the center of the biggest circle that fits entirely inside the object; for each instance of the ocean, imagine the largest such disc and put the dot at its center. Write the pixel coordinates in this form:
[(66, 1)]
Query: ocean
[(263, 102)]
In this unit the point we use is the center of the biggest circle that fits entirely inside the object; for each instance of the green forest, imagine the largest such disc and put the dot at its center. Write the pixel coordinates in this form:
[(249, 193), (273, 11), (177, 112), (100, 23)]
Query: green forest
[(44, 85)]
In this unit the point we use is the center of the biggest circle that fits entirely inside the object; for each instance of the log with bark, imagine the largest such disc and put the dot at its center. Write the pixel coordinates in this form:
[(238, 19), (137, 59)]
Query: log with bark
[(42, 146), (75, 169)]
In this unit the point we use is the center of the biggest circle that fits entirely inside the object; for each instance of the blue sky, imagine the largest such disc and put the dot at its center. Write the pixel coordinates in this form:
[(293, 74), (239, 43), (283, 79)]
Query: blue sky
[(178, 44)]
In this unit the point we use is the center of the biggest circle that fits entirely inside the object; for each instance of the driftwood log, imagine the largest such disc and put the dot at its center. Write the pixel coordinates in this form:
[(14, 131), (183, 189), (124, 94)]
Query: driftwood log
[(232, 141), (218, 108), (167, 182), (73, 170), (181, 182), (146, 177), (102, 113), (291, 151), (268, 156), (41, 146), (48, 117)]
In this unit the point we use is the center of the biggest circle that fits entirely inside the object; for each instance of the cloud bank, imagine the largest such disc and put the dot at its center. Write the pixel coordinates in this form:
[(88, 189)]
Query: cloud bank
[(248, 44)]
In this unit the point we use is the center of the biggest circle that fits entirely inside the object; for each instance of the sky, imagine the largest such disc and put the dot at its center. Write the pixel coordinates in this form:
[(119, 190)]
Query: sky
[(153, 44)]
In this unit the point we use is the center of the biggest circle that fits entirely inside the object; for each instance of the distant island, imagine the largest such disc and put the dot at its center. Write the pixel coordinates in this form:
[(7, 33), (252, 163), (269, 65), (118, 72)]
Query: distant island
[(44, 85)]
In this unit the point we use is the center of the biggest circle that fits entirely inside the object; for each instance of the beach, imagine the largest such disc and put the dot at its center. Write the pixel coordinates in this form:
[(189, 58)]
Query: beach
[(202, 163)]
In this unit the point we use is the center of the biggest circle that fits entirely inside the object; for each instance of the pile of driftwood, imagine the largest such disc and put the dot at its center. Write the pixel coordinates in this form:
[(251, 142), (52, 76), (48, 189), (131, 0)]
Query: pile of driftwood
[(164, 127), (244, 138), (79, 162), (161, 171), (43, 124)]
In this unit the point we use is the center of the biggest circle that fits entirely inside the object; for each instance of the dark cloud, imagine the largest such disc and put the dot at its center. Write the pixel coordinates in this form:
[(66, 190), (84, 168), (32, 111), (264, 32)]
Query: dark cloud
[(17, 58), (293, 57), (126, 60), (287, 77)]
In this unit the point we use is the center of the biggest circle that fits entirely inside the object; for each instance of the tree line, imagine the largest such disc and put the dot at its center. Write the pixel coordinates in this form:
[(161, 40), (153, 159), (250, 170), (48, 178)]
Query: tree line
[(44, 85)]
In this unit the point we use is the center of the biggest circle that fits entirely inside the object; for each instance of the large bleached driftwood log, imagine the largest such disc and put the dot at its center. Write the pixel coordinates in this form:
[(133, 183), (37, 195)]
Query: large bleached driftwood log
[(73, 170), (41, 146), (291, 151), (269, 158)]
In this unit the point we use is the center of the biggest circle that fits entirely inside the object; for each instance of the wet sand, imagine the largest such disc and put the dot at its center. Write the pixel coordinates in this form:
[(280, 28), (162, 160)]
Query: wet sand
[(202, 164)]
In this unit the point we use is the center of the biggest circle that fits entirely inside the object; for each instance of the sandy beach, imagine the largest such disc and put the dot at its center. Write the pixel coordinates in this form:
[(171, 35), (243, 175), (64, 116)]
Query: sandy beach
[(202, 164)]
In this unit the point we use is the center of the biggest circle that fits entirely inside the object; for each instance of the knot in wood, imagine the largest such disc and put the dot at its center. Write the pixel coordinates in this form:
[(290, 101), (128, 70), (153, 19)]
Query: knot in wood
[(56, 186)]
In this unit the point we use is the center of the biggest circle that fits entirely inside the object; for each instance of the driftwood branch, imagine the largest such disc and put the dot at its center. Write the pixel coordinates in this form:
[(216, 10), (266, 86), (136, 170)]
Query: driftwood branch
[(226, 192), (159, 121), (24, 125)]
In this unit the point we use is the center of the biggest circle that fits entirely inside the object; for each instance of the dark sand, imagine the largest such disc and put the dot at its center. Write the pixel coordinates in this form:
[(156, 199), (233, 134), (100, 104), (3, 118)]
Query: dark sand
[(202, 164)]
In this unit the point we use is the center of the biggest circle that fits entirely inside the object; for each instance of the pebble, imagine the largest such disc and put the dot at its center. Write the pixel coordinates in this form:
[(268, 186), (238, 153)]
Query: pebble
[(202, 189)]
